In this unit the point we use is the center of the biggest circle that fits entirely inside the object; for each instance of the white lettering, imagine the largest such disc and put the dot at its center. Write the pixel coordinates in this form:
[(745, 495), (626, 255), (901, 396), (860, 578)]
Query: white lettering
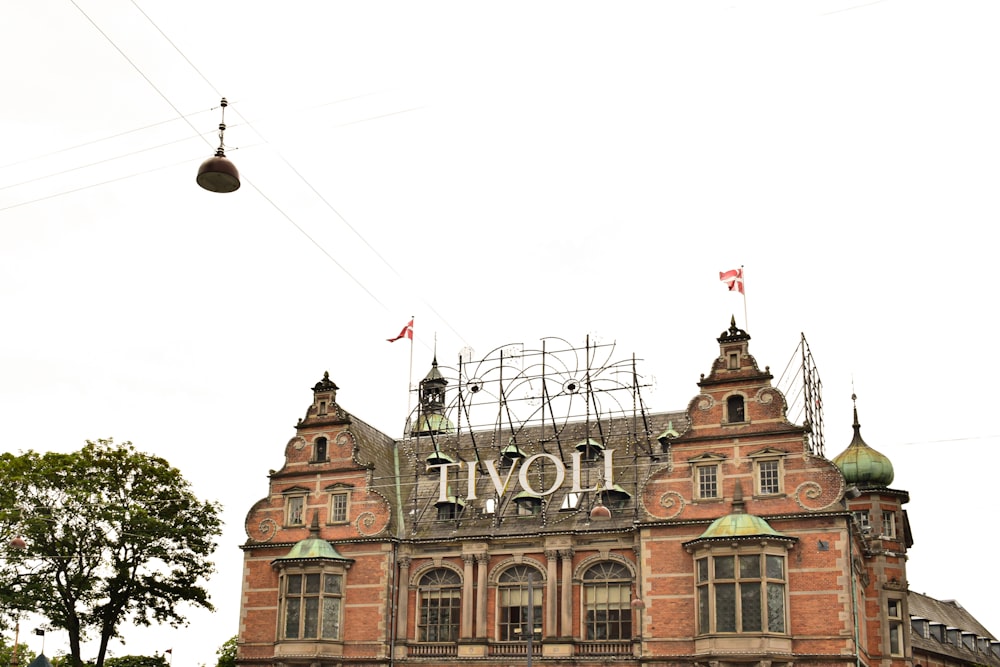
[(501, 485), (577, 457), (443, 494), (498, 485), (560, 474), (471, 495)]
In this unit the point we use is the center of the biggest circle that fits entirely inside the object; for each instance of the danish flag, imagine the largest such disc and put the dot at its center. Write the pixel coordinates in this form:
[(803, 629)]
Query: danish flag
[(407, 331), (733, 279)]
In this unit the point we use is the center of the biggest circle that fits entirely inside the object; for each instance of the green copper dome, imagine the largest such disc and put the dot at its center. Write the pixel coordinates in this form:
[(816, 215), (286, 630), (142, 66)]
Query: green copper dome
[(312, 547), (860, 464), (433, 423), (739, 524)]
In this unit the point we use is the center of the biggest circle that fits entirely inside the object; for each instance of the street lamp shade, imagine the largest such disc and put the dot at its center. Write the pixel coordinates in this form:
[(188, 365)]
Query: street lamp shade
[(218, 174)]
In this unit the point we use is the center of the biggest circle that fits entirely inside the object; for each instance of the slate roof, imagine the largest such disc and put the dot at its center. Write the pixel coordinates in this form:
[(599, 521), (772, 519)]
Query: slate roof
[(636, 453), (952, 615)]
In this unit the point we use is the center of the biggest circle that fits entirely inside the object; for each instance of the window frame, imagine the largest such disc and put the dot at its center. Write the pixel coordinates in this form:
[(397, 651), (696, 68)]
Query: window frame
[(335, 515), (439, 590), (321, 595), (738, 401), (295, 504), (321, 450), (889, 524), (709, 584), (759, 469), (614, 586), (894, 612), (511, 616), (701, 484)]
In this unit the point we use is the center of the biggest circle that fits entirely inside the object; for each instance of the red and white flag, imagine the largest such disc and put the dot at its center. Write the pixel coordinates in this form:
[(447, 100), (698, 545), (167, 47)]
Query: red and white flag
[(407, 332), (733, 279)]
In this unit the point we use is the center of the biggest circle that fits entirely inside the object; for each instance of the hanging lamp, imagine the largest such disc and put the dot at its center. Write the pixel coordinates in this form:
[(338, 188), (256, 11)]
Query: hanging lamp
[(217, 173)]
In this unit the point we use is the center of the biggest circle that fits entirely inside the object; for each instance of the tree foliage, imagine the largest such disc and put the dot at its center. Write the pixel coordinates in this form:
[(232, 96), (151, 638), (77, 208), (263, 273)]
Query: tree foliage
[(24, 654), (112, 534), (227, 653), (137, 661)]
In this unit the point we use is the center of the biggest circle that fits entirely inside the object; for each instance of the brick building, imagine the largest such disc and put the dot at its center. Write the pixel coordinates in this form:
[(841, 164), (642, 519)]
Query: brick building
[(536, 510)]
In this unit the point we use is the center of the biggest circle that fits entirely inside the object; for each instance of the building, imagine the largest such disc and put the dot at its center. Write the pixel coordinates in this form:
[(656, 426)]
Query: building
[(536, 510)]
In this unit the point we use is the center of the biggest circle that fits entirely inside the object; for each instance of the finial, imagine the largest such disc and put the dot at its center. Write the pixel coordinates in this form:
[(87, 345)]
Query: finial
[(854, 399), (314, 526)]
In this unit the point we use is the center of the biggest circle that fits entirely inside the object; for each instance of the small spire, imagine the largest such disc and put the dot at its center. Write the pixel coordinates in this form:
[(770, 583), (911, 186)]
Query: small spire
[(314, 526), (857, 426)]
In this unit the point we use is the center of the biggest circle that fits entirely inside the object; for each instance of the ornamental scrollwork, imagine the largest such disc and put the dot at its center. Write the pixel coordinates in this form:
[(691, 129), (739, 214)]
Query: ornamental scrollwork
[(705, 402), (365, 522), (268, 528), (673, 502), (765, 395)]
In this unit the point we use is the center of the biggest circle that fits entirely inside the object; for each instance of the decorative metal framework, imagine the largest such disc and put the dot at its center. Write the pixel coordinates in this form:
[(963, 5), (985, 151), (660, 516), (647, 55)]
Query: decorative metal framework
[(805, 400), (522, 402)]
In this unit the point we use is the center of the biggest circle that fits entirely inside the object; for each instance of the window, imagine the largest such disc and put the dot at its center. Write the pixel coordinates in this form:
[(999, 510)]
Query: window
[(768, 478), (571, 501), (741, 593), (528, 504), (295, 510), (895, 614), (440, 606), (312, 606), (322, 407), (449, 510), (862, 518), (734, 409), (338, 507), (708, 481), (607, 602), (734, 361), (889, 524), (319, 450), (519, 598)]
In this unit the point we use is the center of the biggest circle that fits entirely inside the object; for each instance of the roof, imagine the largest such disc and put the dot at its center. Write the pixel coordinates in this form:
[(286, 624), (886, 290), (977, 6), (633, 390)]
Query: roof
[(553, 449), (861, 464), (950, 614)]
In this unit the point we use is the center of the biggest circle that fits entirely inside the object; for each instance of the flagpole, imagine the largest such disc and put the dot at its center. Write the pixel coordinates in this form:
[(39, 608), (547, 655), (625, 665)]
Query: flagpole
[(409, 379), (746, 320)]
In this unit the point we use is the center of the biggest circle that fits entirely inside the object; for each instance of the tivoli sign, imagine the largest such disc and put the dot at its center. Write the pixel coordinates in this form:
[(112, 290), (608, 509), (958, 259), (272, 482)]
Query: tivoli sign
[(501, 484)]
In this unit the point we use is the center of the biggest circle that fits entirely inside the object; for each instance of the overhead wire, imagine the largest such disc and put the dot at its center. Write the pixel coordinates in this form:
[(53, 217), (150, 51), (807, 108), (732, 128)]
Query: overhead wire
[(306, 181), (202, 135)]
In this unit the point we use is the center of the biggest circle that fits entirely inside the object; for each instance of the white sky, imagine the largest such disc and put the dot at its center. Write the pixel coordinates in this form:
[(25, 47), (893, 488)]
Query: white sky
[(522, 170)]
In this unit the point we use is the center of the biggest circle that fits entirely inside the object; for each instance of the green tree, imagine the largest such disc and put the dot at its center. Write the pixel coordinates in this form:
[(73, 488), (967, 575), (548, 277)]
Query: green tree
[(227, 653), (112, 535), (136, 661), (24, 654)]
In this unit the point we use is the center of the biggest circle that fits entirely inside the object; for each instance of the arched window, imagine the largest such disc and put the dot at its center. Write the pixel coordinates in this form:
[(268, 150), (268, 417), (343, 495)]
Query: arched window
[(320, 450), (440, 606), (734, 410), (607, 596), (520, 603)]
